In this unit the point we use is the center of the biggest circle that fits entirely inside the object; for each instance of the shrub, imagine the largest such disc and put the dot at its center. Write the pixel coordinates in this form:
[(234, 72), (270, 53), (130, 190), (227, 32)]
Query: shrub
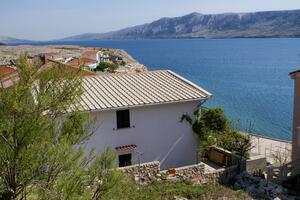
[(213, 129), (214, 119), (106, 65), (211, 120)]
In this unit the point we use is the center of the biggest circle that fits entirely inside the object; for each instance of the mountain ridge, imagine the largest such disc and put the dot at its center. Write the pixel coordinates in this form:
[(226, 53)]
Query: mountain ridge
[(262, 24), (5, 40)]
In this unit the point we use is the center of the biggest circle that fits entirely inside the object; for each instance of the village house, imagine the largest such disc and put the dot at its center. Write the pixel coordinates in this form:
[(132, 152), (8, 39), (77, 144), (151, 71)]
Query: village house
[(82, 62), (138, 115), (96, 55), (296, 123), (8, 75), (67, 68), (51, 56)]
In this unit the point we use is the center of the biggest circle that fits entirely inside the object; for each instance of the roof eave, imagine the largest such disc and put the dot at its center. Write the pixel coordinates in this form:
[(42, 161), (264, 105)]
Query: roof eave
[(150, 104), (294, 74), (190, 83)]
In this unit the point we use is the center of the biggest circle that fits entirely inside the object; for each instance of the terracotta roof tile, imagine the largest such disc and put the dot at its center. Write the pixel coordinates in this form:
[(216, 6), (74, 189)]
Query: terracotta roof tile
[(5, 70), (90, 52)]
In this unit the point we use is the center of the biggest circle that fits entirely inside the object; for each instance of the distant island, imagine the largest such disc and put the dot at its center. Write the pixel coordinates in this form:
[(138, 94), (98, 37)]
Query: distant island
[(267, 24), (4, 40)]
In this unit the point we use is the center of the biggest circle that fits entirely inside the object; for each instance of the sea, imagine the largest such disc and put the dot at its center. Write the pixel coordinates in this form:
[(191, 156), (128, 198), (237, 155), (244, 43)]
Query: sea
[(249, 78)]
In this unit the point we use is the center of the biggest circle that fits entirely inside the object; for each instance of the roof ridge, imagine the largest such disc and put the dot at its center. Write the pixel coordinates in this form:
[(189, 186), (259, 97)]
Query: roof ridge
[(129, 73)]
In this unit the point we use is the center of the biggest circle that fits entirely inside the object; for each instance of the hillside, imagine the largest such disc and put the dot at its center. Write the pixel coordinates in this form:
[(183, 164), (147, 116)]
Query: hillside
[(196, 25), (4, 39)]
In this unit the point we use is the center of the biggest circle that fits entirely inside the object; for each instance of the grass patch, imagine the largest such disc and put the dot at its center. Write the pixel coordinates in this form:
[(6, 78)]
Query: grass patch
[(167, 190)]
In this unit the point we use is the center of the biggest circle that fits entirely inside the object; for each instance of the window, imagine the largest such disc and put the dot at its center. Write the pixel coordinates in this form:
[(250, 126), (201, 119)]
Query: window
[(124, 160), (123, 119)]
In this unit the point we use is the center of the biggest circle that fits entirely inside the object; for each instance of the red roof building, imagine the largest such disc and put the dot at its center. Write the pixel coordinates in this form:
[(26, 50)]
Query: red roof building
[(8, 75)]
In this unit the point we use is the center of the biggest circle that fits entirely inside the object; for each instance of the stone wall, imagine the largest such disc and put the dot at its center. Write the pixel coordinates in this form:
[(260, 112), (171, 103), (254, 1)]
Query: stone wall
[(148, 172), (143, 172), (223, 157), (256, 163), (190, 171), (219, 175)]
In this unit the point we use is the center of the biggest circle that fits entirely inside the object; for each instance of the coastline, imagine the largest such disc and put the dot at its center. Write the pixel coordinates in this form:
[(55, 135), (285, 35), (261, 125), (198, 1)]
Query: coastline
[(270, 147)]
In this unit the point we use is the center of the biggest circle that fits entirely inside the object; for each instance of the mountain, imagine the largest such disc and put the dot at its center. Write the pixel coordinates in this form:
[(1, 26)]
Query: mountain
[(196, 25), (4, 40)]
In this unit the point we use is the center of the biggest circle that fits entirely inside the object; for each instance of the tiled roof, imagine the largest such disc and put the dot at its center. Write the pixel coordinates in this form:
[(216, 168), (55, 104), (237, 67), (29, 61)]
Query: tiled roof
[(67, 68), (119, 91), (90, 52), (76, 62), (5, 70)]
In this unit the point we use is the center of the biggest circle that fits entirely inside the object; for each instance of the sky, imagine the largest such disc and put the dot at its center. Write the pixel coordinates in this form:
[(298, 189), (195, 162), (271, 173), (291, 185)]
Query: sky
[(55, 19)]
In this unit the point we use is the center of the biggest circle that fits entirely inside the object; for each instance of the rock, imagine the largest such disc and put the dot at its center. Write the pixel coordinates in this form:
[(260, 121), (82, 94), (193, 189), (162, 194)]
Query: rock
[(258, 187), (179, 198), (136, 178)]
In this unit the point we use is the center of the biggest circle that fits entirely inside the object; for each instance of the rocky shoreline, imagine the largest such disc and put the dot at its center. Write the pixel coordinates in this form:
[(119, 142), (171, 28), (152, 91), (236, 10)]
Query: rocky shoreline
[(9, 53)]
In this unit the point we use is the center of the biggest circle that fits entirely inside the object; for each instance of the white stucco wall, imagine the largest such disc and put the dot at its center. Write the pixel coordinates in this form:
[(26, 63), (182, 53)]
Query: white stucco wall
[(156, 130)]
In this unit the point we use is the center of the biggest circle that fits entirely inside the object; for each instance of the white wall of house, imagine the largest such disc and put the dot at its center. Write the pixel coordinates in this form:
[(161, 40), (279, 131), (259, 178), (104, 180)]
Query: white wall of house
[(156, 130), (296, 120)]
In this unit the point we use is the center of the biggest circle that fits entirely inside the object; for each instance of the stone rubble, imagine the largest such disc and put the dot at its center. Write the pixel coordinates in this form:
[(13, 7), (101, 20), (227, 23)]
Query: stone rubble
[(260, 188)]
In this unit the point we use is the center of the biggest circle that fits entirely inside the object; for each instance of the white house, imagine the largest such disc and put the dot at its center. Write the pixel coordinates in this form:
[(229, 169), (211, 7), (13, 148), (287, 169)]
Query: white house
[(95, 55), (138, 116), (296, 123)]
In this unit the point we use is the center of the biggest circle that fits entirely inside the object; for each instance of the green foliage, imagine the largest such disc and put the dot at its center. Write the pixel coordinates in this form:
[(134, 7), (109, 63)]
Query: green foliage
[(168, 190), (40, 152), (106, 65), (212, 119), (213, 128), (235, 142)]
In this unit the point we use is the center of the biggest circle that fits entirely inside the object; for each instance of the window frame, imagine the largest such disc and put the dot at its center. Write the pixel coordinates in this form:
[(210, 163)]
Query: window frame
[(120, 116), (125, 163)]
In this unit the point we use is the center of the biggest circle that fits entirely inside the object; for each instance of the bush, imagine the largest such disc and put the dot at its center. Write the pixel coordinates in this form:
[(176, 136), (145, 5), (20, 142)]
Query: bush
[(214, 119), (213, 129), (210, 120), (106, 65)]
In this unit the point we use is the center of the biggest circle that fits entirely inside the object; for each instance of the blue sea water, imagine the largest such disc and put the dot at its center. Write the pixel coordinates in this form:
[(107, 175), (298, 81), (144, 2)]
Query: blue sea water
[(247, 77)]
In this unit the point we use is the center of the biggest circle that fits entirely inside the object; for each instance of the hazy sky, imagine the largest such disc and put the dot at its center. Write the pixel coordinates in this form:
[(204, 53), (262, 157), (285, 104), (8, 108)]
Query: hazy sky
[(53, 19)]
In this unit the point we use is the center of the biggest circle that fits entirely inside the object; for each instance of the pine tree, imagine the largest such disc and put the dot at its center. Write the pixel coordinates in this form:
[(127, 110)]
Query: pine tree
[(41, 132)]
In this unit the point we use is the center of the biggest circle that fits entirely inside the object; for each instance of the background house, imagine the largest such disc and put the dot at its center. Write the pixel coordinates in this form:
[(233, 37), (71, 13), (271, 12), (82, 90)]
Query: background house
[(96, 55), (296, 122), (85, 62), (138, 116), (8, 75)]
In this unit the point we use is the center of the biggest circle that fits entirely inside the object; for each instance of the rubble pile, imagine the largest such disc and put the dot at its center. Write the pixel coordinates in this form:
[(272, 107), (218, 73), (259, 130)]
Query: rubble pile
[(258, 187)]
